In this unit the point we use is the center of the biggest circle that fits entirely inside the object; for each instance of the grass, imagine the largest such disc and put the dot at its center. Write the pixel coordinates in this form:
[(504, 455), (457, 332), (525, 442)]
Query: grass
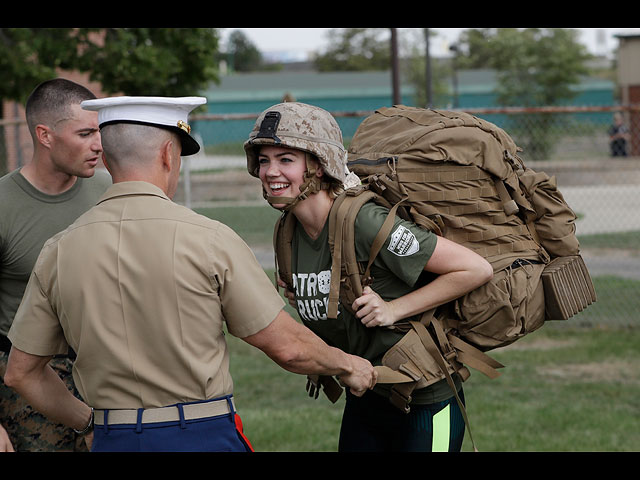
[(618, 304), (621, 240), (564, 389), (253, 223), (569, 387)]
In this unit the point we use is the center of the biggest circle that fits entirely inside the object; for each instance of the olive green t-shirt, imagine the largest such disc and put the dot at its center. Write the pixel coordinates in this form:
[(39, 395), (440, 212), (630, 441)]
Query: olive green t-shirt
[(398, 269), (28, 218)]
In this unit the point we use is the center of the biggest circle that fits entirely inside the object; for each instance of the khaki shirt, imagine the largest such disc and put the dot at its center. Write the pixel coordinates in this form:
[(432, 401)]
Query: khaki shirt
[(140, 288)]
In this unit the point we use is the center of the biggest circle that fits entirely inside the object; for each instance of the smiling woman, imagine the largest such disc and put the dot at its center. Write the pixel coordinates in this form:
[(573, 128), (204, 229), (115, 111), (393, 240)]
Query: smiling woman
[(296, 150), (282, 171)]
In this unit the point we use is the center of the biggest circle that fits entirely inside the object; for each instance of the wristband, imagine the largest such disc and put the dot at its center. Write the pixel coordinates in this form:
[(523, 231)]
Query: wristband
[(89, 426)]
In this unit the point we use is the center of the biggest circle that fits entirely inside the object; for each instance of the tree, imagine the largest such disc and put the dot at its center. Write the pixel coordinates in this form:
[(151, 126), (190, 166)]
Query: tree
[(29, 56), (150, 61), (241, 54), (536, 67), (355, 49), (416, 71), (132, 61)]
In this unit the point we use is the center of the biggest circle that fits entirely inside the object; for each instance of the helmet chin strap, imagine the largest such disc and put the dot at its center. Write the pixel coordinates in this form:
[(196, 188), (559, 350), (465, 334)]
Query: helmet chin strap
[(311, 184)]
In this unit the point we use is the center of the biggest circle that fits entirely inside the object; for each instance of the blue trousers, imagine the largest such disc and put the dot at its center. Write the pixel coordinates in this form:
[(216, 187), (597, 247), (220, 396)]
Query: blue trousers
[(222, 433), (372, 424)]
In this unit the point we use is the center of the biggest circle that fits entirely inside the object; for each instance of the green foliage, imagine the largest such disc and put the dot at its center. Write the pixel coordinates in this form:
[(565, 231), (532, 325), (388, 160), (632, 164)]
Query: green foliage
[(133, 61), (536, 67), (151, 61), (242, 54), (355, 49), (29, 56), (416, 72)]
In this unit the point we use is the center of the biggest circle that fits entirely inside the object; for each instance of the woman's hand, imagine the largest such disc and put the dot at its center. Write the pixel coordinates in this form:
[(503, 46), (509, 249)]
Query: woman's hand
[(289, 295), (373, 311)]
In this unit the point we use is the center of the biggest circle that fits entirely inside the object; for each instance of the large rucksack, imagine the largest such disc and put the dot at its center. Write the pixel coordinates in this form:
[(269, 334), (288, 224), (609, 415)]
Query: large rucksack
[(460, 177)]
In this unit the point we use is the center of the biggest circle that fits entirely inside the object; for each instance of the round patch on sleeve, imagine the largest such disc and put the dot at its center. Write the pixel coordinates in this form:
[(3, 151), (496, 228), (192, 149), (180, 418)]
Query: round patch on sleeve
[(403, 242)]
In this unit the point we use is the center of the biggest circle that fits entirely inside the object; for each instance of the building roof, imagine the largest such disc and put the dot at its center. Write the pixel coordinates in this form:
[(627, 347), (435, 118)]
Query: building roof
[(268, 85), (273, 85)]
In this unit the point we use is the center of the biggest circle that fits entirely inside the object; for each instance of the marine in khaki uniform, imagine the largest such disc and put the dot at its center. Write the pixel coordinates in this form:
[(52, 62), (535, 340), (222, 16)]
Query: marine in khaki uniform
[(140, 288)]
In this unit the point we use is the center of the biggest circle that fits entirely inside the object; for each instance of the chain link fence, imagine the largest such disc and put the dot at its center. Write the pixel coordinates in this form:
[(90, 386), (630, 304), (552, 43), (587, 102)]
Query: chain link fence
[(572, 143)]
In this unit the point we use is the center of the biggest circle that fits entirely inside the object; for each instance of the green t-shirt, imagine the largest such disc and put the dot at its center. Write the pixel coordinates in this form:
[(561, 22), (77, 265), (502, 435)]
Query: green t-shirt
[(28, 218), (398, 269)]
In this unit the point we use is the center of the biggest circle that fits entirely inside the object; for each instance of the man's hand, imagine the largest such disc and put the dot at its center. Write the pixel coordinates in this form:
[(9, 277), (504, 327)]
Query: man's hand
[(363, 376), (372, 310), (5, 443), (88, 440)]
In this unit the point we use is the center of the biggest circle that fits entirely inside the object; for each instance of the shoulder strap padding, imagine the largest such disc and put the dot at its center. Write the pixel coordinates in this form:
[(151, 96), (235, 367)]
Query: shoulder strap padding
[(282, 238), (343, 213)]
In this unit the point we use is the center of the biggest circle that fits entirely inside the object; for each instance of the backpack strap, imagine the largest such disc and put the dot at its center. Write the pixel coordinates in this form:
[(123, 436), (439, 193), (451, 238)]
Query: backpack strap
[(432, 348), (341, 233), (381, 236), (282, 239), (327, 383)]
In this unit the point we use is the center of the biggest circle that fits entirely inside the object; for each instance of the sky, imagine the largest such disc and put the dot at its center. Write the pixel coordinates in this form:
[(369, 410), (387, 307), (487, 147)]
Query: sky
[(297, 43)]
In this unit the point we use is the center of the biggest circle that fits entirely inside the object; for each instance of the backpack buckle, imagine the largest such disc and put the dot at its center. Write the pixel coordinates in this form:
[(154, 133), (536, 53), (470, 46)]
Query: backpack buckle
[(399, 400)]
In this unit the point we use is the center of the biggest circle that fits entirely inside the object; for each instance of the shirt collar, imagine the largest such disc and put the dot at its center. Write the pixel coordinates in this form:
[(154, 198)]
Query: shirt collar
[(122, 189)]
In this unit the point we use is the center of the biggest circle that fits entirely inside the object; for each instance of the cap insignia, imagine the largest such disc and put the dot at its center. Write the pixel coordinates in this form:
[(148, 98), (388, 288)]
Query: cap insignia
[(183, 126)]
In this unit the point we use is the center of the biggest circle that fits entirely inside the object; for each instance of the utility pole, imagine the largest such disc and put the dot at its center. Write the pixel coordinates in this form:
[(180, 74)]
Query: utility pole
[(428, 69), (395, 74)]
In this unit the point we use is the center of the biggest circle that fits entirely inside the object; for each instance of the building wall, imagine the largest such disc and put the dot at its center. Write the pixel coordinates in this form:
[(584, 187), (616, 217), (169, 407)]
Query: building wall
[(373, 95)]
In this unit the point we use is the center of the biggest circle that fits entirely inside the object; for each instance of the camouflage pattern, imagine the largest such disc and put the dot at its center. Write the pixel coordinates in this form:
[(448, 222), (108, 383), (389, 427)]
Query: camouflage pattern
[(304, 127), (28, 430)]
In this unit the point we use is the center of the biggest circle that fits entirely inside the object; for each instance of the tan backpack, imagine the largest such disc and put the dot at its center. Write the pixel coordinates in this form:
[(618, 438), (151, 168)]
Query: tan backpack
[(460, 177)]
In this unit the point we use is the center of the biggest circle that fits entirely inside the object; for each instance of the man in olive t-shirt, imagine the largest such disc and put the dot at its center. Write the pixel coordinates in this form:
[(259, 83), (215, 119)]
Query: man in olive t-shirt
[(37, 201), (28, 218)]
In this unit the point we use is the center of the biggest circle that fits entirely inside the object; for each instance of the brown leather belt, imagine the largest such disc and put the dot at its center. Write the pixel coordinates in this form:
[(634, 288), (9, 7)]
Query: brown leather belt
[(192, 411)]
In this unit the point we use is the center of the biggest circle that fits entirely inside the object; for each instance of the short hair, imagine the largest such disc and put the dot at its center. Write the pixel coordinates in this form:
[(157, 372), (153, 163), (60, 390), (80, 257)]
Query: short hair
[(131, 144), (50, 101)]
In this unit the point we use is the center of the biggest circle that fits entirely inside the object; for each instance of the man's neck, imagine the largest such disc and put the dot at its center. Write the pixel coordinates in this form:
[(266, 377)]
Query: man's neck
[(46, 179)]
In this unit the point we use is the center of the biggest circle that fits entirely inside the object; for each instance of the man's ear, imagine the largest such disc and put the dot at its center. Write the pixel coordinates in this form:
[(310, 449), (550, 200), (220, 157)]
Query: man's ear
[(106, 164), (43, 135), (166, 152)]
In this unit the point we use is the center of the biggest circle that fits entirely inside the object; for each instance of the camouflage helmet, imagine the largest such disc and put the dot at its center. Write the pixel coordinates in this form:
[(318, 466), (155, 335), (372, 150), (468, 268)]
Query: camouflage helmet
[(303, 127)]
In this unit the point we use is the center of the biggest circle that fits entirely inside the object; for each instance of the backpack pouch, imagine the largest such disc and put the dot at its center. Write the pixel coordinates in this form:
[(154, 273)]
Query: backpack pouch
[(508, 307), (411, 358)]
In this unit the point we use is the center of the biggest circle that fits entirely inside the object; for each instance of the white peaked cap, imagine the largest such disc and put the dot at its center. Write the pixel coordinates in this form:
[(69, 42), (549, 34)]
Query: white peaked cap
[(163, 112)]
